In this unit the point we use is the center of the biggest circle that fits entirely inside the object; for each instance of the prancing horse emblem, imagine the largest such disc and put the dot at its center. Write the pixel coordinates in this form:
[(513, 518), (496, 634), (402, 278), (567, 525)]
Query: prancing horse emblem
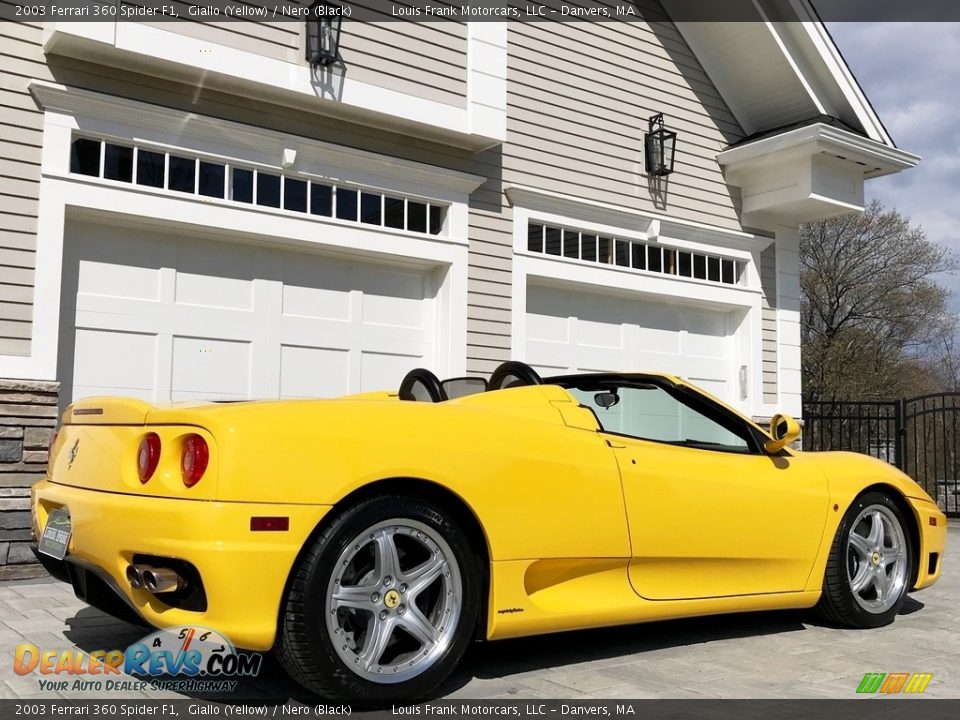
[(73, 453)]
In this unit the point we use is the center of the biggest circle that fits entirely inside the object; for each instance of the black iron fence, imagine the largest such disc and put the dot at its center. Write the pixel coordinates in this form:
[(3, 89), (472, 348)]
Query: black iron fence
[(921, 436)]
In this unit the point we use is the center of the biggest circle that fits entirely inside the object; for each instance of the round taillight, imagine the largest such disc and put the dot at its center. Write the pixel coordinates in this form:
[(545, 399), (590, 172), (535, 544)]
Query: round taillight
[(148, 456), (193, 462)]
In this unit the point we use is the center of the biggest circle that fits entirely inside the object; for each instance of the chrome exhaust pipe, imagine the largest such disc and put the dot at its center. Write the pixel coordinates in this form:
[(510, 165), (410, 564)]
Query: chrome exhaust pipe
[(135, 575), (162, 580)]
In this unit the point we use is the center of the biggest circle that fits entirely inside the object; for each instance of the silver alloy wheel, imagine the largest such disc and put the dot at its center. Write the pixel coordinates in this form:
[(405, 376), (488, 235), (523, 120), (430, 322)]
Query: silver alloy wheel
[(393, 602), (876, 559)]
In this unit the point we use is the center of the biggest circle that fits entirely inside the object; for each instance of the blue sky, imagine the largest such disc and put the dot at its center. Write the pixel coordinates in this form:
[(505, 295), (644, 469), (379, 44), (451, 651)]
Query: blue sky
[(911, 73)]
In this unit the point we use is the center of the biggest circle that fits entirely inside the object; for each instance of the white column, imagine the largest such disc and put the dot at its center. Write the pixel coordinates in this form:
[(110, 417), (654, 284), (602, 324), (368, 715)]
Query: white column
[(788, 319)]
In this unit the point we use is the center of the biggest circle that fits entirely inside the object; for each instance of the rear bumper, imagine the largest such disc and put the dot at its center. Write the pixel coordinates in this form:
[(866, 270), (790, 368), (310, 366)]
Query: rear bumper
[(933, 541), (244, 573)]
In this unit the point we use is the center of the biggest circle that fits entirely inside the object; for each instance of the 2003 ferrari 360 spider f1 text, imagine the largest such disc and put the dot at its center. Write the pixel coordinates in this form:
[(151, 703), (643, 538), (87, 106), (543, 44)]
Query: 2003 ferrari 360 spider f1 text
[(369, 539)]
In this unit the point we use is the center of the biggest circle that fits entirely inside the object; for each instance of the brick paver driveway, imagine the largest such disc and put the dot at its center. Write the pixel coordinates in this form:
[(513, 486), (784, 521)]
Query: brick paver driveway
[(765, 655)]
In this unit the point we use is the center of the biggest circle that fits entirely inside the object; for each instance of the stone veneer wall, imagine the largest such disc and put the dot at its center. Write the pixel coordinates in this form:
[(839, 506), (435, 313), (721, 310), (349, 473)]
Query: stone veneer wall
[(28, 417)]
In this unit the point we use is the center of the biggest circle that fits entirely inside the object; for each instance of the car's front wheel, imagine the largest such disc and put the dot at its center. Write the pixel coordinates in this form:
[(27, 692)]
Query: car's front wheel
[(870, 566), (383, 605)]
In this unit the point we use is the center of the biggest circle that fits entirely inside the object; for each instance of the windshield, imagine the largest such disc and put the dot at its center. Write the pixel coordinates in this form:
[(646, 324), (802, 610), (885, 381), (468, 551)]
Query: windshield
[(649, 411)]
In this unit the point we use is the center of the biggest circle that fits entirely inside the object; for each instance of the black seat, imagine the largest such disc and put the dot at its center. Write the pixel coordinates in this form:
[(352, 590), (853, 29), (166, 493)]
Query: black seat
[(421, 385), (513, 374)]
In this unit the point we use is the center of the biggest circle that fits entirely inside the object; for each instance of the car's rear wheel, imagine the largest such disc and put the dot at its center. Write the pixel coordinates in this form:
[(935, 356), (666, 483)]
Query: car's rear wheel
[(383, 604), (870, 566)]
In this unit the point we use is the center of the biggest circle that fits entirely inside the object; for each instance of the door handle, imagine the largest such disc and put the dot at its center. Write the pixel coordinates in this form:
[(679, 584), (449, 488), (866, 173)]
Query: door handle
[(618, 446)]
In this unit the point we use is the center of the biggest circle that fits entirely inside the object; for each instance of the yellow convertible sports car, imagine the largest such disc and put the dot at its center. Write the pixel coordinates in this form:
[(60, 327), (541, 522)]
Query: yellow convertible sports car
[(369, 539)]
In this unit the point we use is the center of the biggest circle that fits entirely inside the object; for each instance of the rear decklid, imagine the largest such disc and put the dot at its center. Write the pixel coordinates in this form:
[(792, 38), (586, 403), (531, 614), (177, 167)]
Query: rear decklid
[(107, 411), (97, 446)]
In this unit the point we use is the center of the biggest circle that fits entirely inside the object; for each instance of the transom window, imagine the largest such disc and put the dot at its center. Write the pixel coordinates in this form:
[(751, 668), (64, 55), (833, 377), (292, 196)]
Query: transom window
[(596, 248), (249, 185), (648, 411)]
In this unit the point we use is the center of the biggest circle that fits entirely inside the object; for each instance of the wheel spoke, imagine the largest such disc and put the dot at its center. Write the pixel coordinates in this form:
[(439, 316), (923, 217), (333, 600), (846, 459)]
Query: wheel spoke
[(422, 630), (385, 556), (860, 581), (875, 538), (860, 545), (423, 575), (880, 584), (379, 633), (354, 596)]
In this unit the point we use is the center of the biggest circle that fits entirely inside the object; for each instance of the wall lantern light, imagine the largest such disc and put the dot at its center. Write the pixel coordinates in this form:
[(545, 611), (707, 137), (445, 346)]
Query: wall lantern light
[(323, 32), (659, 145)]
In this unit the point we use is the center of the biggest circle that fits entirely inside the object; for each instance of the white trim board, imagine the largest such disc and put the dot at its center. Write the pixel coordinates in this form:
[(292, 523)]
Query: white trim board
[(227, 140), (878, 159), (628, 222), (477, 125)]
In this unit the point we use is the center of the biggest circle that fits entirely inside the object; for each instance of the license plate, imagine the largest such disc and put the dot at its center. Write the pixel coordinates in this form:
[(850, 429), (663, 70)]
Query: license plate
[(56, 535)]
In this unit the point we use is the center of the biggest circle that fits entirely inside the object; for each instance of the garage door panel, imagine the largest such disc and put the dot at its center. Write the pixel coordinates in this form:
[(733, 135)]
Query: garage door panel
[(115, 280), (219, 260), (314, 302), (549, 354), (313, 371), (314, 272), (105, 312), (394, 284), (548, 327), (206, 367), (380, 370), (657, 327), (603, 358), (385, 311), (600, 335), (705, 335), (546, 370), (718, 387), (331, 333), (547, 302), (135, 376), (578, 331), (214, 292), (231, 321)]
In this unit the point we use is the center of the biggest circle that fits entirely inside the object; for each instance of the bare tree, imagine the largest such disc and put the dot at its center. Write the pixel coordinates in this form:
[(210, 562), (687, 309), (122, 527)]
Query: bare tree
[(874, 321)]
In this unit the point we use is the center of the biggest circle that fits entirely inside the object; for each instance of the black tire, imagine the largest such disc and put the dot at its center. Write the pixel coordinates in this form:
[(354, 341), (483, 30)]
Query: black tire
[(837, 603), (304, 646)]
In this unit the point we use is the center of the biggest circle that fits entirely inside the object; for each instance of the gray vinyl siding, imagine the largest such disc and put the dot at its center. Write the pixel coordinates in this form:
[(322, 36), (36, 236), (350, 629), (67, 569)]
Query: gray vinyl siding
[(274, 39), (576, 120), (768, 284), (20, 142), (426, 60)]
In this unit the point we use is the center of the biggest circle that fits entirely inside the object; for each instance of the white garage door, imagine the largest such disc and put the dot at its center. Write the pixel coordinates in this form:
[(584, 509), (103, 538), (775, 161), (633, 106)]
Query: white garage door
[(173, 318), (573, 331)]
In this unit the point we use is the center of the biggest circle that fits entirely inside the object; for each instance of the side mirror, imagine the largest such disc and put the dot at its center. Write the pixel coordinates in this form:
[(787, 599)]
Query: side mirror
[(784, 430)]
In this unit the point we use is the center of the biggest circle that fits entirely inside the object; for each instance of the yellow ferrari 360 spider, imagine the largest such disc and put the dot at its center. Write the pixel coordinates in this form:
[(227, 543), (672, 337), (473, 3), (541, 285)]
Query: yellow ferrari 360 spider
[(369, 539)]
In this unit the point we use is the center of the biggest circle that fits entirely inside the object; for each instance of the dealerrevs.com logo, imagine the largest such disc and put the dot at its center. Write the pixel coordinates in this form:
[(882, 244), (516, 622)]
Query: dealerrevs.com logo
[(893, 683), (187, 658)]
